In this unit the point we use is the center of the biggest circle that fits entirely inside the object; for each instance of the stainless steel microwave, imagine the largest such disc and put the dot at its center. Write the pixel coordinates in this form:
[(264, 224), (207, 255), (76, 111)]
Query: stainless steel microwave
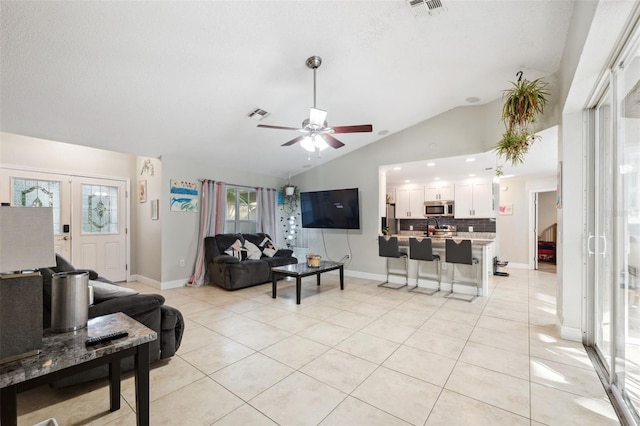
[(438, 208)]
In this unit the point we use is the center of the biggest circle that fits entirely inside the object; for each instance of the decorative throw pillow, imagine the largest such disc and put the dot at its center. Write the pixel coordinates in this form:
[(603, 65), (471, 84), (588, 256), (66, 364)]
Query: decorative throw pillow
[(236, 250), (104, 291), (253, 252), (268, 247)]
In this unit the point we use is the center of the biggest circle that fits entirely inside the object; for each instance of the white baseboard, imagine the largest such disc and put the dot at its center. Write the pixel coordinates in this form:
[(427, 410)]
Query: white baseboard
[(146, 281), (165, 285), (571, 333)]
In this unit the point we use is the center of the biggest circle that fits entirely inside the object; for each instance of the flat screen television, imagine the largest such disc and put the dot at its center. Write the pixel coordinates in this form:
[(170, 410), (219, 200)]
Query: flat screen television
[(335, 209)]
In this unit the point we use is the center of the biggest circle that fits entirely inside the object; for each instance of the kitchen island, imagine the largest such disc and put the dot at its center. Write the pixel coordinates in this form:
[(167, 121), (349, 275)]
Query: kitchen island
[(482, 249)]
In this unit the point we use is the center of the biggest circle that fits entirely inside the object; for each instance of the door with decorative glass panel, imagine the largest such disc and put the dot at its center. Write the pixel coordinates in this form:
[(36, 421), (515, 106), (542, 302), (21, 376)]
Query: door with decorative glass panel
[(32, 189), (89, 216), (99, 226)]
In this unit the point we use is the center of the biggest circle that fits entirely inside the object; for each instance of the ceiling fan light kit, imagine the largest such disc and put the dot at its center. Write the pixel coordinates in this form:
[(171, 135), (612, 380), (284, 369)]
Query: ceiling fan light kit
[(316, 132)]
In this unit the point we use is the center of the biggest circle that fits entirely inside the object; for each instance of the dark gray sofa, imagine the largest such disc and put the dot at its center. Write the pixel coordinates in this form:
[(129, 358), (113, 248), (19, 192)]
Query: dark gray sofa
[(231, 273), (148, 309)]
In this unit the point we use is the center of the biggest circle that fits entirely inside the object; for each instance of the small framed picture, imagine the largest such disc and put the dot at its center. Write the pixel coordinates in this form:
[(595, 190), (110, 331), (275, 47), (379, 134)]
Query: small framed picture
[(154, 209), (142, 191)]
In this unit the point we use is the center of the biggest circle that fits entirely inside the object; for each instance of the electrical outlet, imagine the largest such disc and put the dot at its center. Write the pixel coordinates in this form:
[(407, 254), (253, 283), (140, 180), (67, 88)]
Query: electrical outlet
[(471, 229), (181, 262), (410, 227)]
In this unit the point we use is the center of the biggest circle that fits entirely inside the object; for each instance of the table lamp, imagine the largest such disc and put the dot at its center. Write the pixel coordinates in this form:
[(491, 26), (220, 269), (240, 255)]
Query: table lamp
[(26, 243)]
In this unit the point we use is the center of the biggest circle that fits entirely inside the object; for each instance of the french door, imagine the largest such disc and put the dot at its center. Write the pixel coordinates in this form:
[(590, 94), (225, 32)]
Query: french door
[(89, 216)]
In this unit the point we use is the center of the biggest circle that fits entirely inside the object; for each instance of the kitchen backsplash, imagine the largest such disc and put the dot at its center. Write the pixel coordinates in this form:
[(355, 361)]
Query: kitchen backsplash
[(462, 225)]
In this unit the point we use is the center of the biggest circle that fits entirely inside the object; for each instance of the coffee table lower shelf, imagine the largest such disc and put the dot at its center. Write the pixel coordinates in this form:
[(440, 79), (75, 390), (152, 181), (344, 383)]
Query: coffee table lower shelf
[(301, 270)]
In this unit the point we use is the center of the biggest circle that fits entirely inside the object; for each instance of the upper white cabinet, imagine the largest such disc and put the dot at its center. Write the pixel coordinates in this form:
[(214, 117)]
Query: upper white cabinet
[(409, 203), (474, 200), (439, 192)]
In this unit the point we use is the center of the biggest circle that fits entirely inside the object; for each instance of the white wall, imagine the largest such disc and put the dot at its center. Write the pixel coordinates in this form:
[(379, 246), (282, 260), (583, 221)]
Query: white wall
[(148, 233), (180, 229), (464, 130), (547, 214), (156, 246), (58, 157)]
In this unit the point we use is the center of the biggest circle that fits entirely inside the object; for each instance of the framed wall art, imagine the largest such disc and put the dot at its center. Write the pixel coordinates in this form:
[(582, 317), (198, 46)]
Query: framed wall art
[(142, 191), (155, 204)]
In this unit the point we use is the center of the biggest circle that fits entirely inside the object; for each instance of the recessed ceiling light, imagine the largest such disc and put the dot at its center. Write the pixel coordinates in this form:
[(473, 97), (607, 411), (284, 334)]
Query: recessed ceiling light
[(436, 178), (431, 164), (407, 181), (397, 168), (383, 132), (470, 159), (472, 99), (472, 174)]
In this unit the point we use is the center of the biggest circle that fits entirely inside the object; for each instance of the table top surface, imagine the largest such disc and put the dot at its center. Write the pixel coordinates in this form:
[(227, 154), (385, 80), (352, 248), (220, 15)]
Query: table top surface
[(62, 350), (302, 268)]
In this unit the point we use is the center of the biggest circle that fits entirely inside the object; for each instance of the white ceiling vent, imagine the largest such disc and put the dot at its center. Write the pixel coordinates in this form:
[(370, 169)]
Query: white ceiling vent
[(422, 7), (258, 114)]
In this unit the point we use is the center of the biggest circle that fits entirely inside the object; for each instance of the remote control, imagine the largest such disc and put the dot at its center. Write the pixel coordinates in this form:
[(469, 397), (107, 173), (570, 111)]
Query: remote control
[(105, 338)]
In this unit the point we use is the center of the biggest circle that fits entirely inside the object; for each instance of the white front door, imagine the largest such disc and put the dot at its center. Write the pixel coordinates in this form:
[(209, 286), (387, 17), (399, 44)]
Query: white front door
[(99, 226), (33, 189), (89, 216)]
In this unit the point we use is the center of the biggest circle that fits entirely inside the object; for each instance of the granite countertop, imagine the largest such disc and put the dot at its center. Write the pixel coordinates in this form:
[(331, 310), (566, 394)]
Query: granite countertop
[(62, 350), (477, 238)]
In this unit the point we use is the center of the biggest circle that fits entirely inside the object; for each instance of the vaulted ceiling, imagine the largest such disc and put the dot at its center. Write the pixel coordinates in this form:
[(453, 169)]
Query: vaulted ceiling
[(179, 78)]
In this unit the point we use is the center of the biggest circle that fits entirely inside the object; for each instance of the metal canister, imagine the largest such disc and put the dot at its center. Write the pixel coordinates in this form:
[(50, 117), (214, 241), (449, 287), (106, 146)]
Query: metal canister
[(69, 301)]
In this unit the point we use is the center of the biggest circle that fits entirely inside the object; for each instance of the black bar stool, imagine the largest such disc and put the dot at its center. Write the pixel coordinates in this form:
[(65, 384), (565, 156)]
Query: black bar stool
[(389, 248), (422, 250), (461, 252)]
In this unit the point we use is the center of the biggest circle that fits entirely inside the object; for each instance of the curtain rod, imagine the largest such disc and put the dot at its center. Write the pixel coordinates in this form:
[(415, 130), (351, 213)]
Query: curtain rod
[(233, 184)]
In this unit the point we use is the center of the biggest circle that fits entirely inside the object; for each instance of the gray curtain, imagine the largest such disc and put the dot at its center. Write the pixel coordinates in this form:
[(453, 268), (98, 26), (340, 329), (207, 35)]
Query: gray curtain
[(266, 211), (212, 219)]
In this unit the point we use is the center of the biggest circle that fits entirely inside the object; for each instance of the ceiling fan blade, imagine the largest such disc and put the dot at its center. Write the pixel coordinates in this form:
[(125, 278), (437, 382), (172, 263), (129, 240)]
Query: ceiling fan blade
[(332, 142), (363, 128), (294, 140), (317, 117), (266, 126)]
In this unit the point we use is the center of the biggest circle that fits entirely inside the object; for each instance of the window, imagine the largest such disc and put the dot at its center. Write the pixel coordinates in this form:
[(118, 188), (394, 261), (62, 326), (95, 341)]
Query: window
[(38, 193), (241, 210), (99, 209)]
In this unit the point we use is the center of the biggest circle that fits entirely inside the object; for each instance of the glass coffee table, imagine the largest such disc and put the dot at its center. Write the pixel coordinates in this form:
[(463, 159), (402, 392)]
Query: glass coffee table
[(301, 270)]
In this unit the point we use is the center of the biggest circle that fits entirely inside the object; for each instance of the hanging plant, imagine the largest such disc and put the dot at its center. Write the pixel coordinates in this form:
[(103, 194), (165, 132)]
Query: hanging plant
[(523, 103), (290, 198)]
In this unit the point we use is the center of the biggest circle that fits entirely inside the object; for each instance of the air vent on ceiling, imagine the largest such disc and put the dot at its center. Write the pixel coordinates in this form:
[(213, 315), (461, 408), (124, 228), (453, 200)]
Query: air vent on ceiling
[(258, 114), (421, 7)]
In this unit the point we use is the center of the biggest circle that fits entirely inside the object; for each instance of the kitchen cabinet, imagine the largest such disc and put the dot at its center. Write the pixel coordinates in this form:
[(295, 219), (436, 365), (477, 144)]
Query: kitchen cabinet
[(474, 200), (409, 203), (440, 192)]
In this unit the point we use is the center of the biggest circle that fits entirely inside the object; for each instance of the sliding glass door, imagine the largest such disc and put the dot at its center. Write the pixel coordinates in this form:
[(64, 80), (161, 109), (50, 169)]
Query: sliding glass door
[(628, 228), (614, 229)]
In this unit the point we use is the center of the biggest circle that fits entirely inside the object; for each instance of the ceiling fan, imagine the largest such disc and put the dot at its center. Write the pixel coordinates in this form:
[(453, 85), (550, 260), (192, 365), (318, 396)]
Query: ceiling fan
[(316, 134)]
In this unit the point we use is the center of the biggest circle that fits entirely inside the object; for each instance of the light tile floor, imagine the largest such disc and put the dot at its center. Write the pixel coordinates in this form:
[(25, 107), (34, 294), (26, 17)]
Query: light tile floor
[(362, 356)]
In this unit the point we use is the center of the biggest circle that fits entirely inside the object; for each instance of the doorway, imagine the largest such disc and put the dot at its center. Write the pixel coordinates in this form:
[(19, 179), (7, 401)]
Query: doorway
[(543, 230), (89, 214)]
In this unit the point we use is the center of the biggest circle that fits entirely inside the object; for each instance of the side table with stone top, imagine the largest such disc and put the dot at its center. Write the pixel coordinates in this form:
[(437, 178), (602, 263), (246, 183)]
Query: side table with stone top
[(65, 354)]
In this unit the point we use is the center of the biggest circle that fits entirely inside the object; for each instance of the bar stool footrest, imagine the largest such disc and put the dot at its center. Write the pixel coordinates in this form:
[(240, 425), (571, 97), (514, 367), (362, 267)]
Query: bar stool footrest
[(394, 286), (424, 290)]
